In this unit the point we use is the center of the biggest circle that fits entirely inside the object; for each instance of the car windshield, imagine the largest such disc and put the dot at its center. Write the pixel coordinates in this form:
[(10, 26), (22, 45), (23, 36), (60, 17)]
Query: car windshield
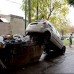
[(34, 23)]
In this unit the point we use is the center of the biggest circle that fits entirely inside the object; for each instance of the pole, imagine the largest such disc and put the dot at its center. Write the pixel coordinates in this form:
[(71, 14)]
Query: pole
[(29, 8), (37, 9), (25, 14)]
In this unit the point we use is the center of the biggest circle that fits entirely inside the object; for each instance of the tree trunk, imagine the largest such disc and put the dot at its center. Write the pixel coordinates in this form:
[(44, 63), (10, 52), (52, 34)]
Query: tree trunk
[(29, 8), (25, 13), (37, 10)]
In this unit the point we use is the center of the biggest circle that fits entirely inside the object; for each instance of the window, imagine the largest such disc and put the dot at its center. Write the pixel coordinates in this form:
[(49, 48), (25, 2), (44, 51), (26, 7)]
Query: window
[(33, 23), (51, 28)]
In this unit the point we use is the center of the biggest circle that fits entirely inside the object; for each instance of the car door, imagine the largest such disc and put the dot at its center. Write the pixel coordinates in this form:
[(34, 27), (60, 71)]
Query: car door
[(55, 38)]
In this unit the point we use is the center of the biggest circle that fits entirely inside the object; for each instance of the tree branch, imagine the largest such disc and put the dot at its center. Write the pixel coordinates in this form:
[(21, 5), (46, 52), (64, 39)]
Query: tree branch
[(51, 10)]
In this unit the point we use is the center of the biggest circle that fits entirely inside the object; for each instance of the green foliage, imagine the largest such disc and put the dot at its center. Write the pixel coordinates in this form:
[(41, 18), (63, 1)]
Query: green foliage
[(53, 10), (71, 2), (57, 4), (64, 11), (66, 42)]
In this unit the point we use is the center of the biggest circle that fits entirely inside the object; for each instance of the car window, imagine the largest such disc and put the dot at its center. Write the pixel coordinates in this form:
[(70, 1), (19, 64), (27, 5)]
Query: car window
[(51, 28), (34, 23), (54, 30)]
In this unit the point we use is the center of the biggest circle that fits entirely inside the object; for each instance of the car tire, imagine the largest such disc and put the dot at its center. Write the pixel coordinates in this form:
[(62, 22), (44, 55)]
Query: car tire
[(63, 50)]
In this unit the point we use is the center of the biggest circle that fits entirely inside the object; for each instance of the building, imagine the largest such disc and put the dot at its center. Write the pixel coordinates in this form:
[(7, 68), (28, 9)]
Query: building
[(11, 24)]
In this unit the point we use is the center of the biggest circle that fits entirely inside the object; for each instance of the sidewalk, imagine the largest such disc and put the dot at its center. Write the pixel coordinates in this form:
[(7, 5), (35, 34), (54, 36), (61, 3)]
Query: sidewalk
[(72, 46)]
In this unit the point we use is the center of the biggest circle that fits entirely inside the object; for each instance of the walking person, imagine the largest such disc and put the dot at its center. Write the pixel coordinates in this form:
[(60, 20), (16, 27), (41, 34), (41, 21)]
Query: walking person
[(70, 40)]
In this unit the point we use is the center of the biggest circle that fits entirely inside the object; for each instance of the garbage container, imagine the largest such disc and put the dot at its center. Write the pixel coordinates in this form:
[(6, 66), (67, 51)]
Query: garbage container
[(35, 53), (21, 53), (26, 55)]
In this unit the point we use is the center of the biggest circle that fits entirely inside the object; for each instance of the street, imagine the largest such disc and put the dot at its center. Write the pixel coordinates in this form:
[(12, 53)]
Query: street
[(57, 64)]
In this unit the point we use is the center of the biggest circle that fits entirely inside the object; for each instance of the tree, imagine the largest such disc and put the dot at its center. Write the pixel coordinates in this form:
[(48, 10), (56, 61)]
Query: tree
[(44, 8), (29, 9), (52, 10), (71, 2), (72, 29)]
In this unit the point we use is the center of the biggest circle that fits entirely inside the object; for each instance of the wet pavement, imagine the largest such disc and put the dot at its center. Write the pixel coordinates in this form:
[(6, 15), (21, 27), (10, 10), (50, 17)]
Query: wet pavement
[(47, 65)]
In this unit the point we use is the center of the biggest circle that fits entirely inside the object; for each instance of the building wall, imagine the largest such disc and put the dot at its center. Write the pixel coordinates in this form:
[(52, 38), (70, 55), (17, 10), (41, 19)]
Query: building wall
[(16, 25), (4, 28)]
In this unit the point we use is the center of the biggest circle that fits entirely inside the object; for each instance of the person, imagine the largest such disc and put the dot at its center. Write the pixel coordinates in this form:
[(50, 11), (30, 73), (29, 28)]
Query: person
[(70, 40)]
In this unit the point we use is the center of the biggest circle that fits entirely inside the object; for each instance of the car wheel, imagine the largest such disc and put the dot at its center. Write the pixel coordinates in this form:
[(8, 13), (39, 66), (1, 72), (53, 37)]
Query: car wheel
[(63, 50)]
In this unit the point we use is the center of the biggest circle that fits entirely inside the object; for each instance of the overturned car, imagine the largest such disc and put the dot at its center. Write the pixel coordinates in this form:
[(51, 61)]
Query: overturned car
[(44, 33)]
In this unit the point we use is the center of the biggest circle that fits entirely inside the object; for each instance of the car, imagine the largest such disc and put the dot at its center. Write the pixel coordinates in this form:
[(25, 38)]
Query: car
[(67, 38), (44, 33)]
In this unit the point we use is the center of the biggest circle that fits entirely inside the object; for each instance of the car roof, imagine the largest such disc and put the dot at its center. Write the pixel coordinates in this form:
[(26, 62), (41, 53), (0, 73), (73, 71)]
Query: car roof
[(40, 21)]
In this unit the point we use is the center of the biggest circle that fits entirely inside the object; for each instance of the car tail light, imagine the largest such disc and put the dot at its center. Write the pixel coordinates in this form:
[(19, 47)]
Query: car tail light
[(44, 22)]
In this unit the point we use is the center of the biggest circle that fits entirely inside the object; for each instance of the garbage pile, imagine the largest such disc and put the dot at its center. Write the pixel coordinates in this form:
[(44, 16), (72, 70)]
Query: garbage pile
[(17, 50)]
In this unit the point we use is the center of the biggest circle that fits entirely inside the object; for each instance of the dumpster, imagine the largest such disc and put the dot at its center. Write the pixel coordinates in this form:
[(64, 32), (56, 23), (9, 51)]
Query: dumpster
[(19, 53), (27, 55)]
